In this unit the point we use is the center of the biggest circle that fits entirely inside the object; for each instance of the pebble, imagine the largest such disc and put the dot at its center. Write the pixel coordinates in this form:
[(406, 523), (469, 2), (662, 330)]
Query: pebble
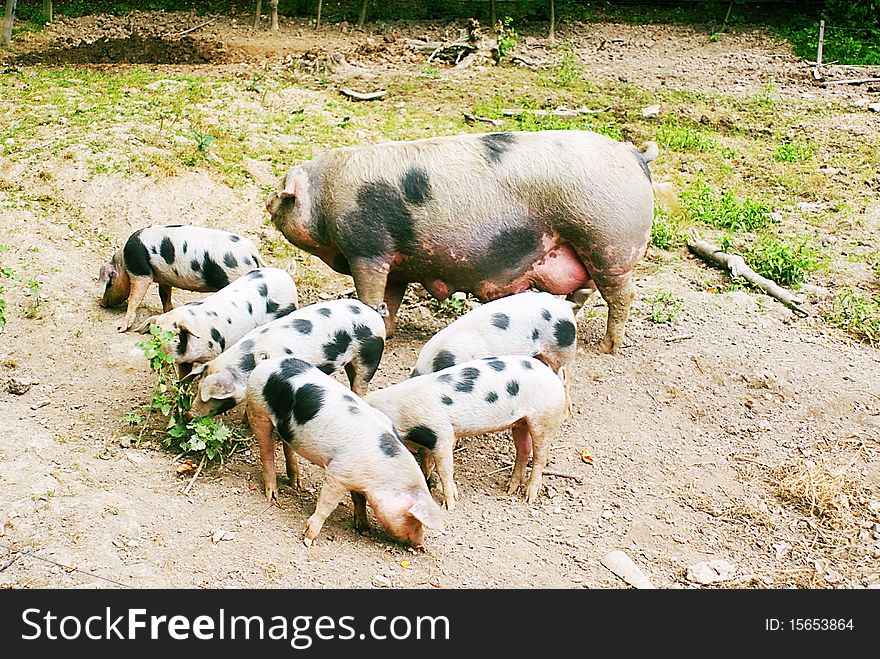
[(381, 581), (19, 385), (711, 571)]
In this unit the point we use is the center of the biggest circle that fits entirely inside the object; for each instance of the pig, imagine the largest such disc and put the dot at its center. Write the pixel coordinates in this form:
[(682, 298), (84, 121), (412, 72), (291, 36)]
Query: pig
[(203, 329), (472, 398), (358, 447), (174, 256), (330, 335), (534, 324), (490, 214)]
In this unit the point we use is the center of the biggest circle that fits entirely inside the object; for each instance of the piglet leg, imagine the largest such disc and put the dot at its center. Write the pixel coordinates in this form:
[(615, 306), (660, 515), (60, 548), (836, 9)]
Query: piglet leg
[(165, 296), (523, 442), (443, 460), (540, 452), (359, 501), (139, 288), (261, 425), (331, 494), (292, 465)]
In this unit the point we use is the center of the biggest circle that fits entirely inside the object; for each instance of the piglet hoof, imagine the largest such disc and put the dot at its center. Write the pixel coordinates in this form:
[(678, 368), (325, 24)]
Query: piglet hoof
[(122, 326), (532, 494), (606, 347), (307, 541), (272, 495), (449, 504)]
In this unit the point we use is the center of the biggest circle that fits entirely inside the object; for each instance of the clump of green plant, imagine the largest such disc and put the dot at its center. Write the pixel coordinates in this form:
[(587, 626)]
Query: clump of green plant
[(793, 151), (205, 437), (786, 263), (35, 294), (507, 37), (204, 142), (664, 307), (683, 138), (765, 99), (452, 307), (724, 210), (568, 70), (6, 273), (664, 233), (855, 312)]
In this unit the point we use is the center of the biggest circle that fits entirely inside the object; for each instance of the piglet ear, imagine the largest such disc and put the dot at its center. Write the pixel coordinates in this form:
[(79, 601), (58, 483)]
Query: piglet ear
[(196, 371), (181, 327), (295, 183), (145, 327), (382, 309), (219, 386), (426, 510)]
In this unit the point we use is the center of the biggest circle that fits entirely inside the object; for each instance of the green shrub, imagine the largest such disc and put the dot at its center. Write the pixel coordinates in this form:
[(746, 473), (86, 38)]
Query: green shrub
[(793, 151), (785, 263), (683, 138), (724, 210), (855, 312), (664, 307)]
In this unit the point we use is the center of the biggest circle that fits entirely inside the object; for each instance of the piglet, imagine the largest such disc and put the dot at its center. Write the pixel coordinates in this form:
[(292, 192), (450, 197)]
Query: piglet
[(432, 411), (358, 447), (174, 256), (330, 335), (203, 329)]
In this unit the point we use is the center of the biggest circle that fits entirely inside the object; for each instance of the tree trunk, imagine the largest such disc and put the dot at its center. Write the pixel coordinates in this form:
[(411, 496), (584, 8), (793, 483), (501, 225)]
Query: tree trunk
[(493, 16), (47, 10), (274, 5), (318, 20), (363, 17), (257, 14), (552, 34), (8, 19)]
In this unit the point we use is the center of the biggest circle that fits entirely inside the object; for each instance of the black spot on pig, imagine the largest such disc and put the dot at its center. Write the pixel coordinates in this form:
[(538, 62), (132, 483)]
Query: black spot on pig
[(497, 365), (247, 363), (271, 306), (564, 331), (250, 308), (278, 394), (182, 341), (341, 265), (381, 224), (527, 365), (508, 249), (234, 238), (230, 260), (302, 325), (214, 275), (263, 290), (513, 388), (290, 368), (444, 359), (362, 332), (546, 315), (195, 265), (256, 274), (468, 375), (136, 257), (223, 405), (446, 377), (423, 436), (416, 185), (212, 314), (501, 320), (215, 334), (389, 444), (415, 373), (371, 354), (307, 402), (355, 309), (167, 250), (339, 344), (283, 311), (496, 145), (446, 400), (288, 351), (153, 250), (184, 247), (229, 321), (348, 398), (535, 334), (491, 397), (327, 369), (173, 226), (325, 312), (176, 273)]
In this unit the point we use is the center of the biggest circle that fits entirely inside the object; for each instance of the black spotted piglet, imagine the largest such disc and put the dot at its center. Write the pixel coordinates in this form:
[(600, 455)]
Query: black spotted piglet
[(174, 256), (358, 447), (486, 395), (202, 330), (329, 335), (534, 324)]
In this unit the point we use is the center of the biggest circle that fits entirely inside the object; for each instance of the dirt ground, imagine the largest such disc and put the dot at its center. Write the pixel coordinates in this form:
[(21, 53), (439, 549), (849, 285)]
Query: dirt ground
[(693, 430)]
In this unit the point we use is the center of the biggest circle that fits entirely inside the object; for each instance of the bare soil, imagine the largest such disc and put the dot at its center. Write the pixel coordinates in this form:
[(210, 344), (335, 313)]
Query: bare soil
[(679, 445)]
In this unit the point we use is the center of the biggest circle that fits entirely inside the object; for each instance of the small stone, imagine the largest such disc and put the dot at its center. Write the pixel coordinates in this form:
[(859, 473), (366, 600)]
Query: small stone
[(125, 442), (381, 581), (19, 385), (651, 111), (40, 404), (711, 572), (607, 514), (874, 107)]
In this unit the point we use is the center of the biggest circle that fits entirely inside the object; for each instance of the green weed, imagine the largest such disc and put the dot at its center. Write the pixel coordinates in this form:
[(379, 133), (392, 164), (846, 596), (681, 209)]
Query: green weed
[(793, 151), (664, 307), (507, 37), (451, 307), (683, 138), (724, 210), (786, 263), (855, 312), (35, 295)]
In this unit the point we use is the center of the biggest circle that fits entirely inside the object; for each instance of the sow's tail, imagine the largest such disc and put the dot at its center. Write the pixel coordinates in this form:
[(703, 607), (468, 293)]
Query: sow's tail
[(664, 193)]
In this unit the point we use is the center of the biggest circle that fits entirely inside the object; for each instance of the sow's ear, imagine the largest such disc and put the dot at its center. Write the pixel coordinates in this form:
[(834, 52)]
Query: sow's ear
[(427, 512)]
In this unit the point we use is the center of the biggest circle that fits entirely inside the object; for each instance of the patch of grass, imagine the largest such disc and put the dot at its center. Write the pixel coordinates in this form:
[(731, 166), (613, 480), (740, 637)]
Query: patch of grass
[(855, 312), (664, 307), (452, 307), (35, 295), (567, 72), (666, 229), (724, 210), (677, 136), (786, 263), (793, 151)]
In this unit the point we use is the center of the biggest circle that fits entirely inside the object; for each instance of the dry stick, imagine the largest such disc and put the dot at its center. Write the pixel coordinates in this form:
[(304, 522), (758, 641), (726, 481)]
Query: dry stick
[(821, 39), (197, 27), (851, 81), (196, 475), (737, 267), (358, 96), (472, 119), (565, 113), (5, 564), (546, 472), (67, 568)]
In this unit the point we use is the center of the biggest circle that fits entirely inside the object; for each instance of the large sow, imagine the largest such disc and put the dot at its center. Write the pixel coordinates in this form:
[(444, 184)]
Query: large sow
[(490, 214)]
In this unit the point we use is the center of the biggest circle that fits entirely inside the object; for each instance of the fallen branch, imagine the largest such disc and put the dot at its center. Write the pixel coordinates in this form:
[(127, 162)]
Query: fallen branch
[(519, 59), (851, 81), (197, 27), (563, 112), (737, 267), (196, 475), (358, 96), (546, 472), (472, 119)]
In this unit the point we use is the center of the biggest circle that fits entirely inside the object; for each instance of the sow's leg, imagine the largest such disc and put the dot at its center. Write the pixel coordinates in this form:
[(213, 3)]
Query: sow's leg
[(619, 297), (370, 280)]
